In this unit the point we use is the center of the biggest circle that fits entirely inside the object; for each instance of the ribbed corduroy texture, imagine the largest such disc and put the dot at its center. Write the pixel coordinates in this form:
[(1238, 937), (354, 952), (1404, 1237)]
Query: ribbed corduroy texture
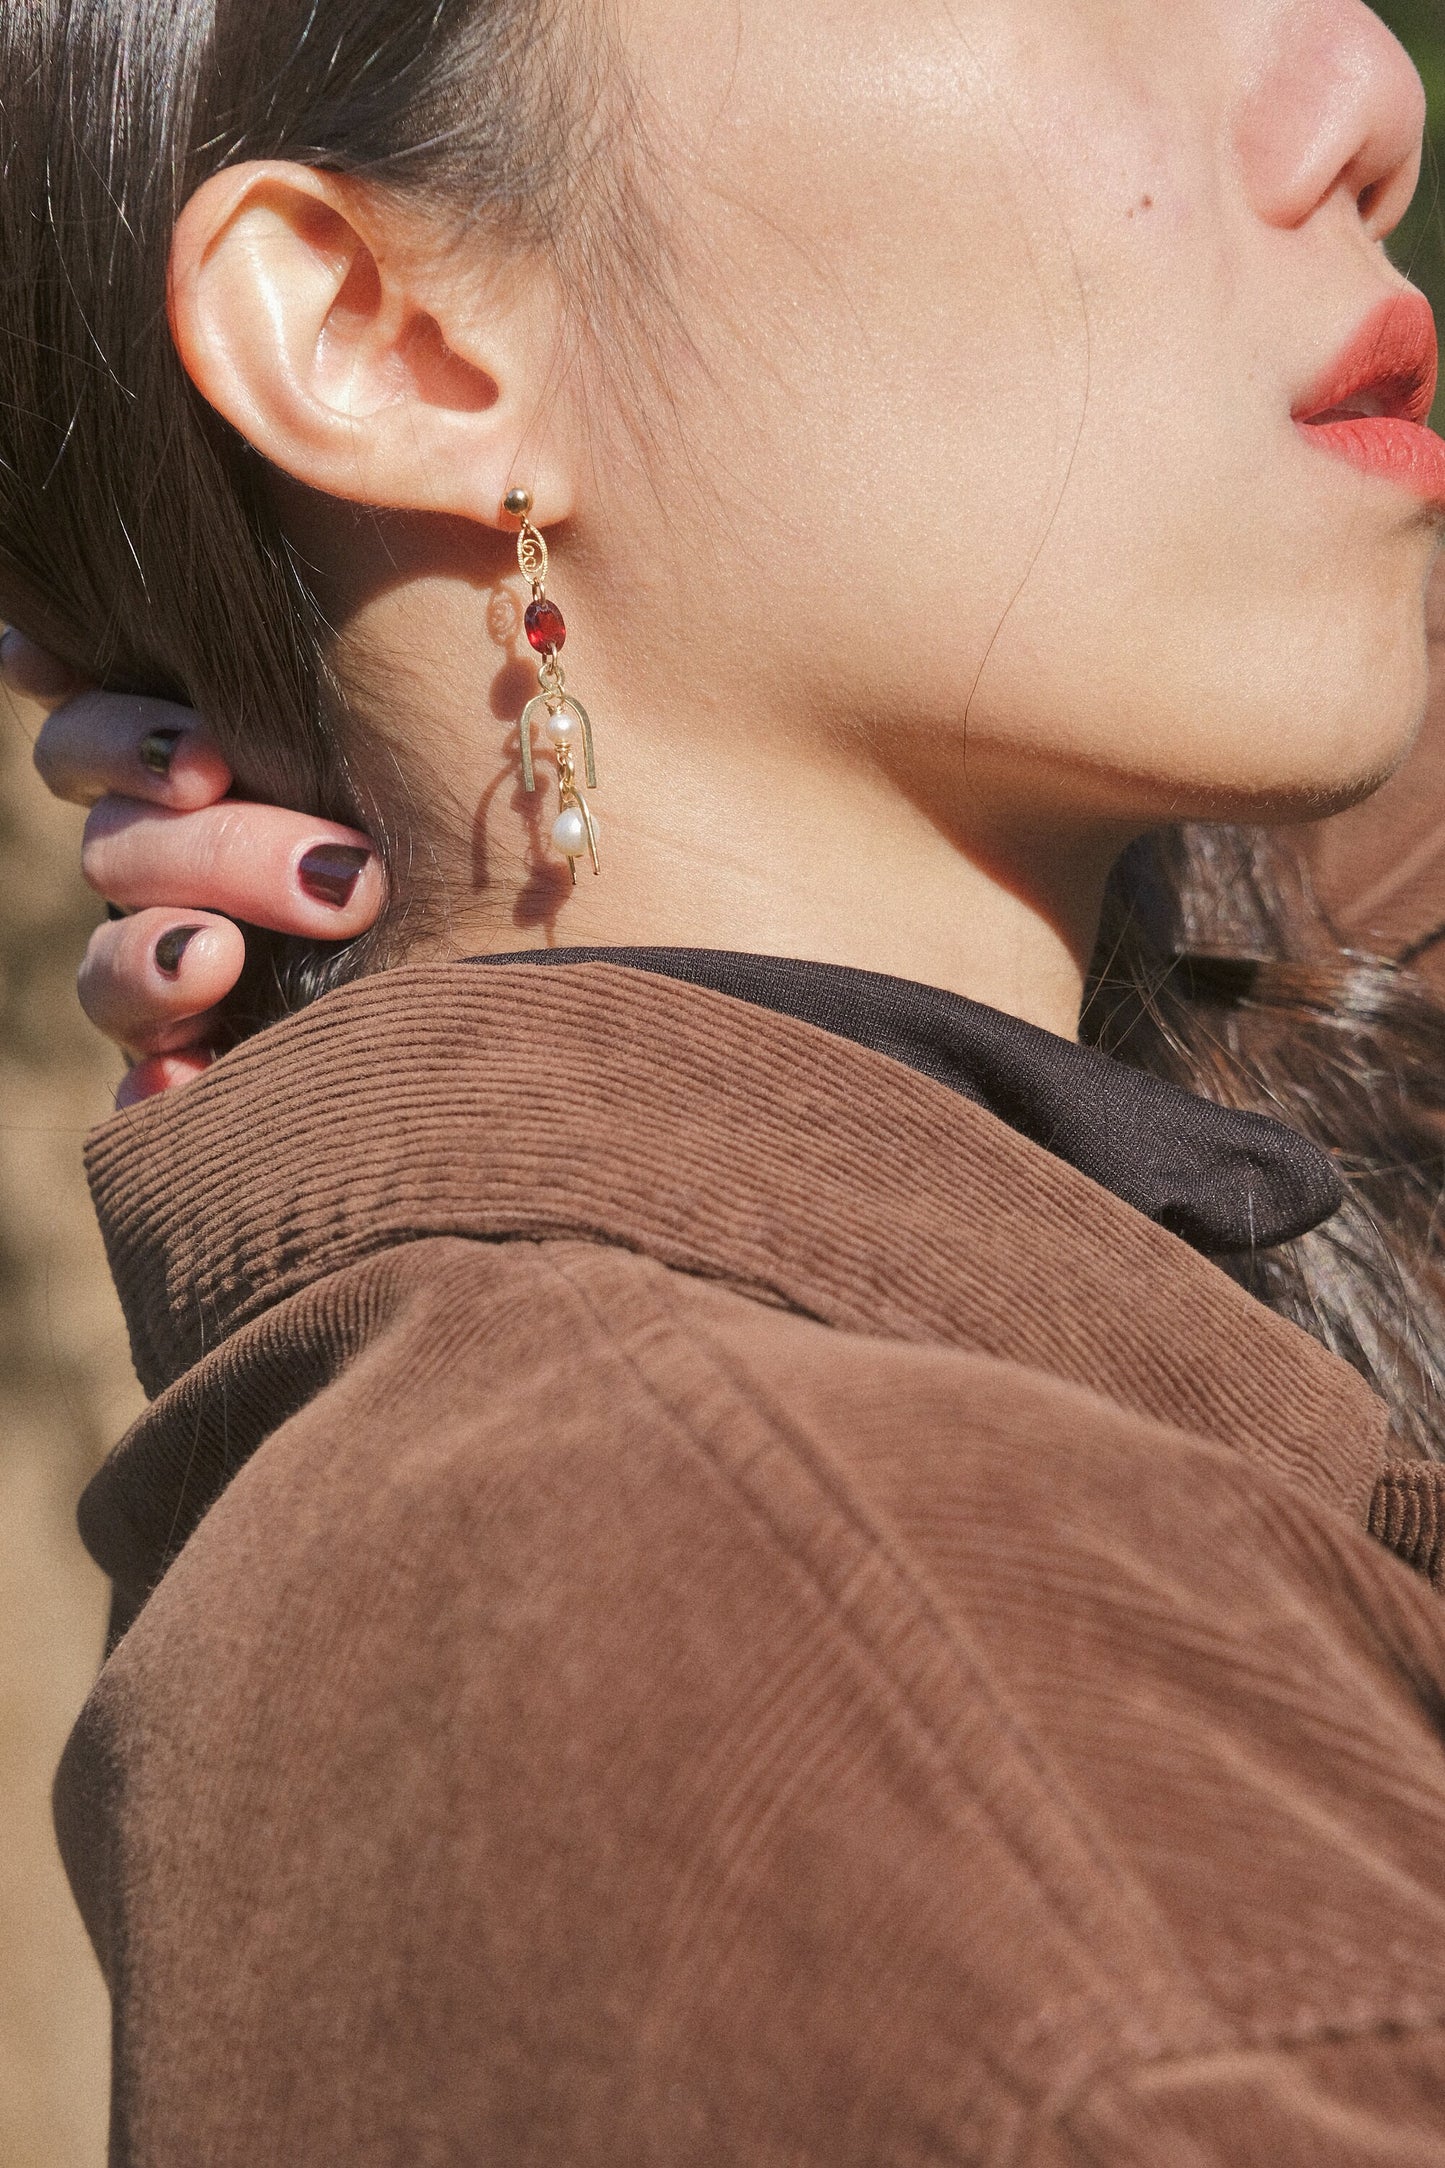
[(692, 1599), (621, 1107), (1228, 1182), (1407, 1514)]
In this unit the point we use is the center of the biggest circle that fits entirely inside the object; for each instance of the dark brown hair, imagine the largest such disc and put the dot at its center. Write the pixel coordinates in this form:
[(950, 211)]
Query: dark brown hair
[(1218, 969), (138, 540)]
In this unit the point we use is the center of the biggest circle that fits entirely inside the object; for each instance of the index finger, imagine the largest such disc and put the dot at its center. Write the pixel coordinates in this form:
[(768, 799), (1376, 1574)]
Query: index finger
[(103, 745)]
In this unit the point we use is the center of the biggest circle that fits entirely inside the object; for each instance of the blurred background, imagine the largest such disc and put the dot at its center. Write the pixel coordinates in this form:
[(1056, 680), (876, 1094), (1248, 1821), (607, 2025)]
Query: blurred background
[(1420, 245), (67, 1391)]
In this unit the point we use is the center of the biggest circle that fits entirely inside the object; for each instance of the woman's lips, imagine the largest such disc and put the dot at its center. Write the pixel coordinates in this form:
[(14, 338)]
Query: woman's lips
[(1398, 451), (1372, 404)]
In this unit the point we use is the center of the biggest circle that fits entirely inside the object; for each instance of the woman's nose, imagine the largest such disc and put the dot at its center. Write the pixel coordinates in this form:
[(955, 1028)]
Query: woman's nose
[(1336, 106)]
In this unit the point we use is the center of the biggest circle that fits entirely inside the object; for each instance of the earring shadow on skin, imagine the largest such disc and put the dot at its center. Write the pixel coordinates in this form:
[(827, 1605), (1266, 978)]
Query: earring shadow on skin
[(547, 883)]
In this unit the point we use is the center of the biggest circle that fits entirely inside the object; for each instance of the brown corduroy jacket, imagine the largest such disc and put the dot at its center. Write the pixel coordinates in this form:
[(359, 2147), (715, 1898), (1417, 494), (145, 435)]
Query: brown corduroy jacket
[(689, 1599)]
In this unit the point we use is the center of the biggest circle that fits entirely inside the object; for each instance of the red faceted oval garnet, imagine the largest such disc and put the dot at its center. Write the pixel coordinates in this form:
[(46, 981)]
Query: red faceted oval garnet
[(546, 626)]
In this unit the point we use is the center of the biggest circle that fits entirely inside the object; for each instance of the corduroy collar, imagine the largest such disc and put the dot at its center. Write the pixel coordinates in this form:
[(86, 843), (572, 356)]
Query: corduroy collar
[(1228, 1182), (608, 1104)]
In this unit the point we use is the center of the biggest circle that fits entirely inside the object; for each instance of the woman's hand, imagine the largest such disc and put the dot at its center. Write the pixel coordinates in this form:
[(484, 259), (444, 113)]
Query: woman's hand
[(161, 825)]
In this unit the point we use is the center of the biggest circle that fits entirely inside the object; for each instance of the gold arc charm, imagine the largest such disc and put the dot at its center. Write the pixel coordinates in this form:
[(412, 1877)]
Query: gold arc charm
[(529, 715)]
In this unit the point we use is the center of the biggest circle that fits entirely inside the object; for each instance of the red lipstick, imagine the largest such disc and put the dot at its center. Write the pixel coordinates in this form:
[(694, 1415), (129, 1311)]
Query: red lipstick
[(1373, 403)]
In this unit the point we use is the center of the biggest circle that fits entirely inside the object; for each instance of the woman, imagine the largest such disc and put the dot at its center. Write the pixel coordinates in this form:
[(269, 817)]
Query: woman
[(715, 1572)]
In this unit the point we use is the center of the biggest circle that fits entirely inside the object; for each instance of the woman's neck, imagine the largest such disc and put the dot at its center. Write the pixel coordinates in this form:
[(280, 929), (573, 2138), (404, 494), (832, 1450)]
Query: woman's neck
[(765, 855), (725, 829)]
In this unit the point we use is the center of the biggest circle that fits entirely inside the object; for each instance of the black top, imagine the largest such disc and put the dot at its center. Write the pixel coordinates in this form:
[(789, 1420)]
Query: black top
[(1226, 1182)]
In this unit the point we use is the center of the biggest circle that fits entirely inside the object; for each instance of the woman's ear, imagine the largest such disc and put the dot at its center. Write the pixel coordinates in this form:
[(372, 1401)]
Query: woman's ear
[(301, 310)]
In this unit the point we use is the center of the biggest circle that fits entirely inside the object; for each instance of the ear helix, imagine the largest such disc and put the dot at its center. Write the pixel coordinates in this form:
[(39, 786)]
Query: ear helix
[(565, 720)]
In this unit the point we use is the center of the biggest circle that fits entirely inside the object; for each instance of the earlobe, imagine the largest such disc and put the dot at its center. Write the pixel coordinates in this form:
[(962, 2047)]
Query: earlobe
[(297, 313)]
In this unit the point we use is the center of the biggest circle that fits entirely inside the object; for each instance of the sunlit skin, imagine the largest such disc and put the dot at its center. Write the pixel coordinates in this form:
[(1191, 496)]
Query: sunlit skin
[(973, 535)]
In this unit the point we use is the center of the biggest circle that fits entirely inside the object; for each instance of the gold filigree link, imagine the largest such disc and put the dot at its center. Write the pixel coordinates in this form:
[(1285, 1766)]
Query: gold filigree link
[(533, 559)]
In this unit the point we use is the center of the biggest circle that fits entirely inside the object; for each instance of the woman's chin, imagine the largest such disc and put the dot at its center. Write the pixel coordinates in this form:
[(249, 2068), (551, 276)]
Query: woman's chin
[(1325, 748), (1313, 790)]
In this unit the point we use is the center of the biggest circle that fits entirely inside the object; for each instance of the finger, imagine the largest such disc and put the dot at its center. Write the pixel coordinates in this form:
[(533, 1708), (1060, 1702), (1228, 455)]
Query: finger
[(32, 673), (153, 982), (258, 863), (163, 1073), (102, 744)]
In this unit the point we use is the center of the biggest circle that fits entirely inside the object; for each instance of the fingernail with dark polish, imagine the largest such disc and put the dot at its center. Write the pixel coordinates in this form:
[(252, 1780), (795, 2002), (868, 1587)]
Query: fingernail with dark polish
[(330, 873), (171, 947), (158, 750)]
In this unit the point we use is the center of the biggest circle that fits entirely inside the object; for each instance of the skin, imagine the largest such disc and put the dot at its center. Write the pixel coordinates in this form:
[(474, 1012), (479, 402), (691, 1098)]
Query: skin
[(972, 536)]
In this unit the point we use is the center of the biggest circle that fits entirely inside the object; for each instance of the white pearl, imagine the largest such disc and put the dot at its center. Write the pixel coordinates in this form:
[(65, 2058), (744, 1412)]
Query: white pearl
[(569, 832), (562, 729)]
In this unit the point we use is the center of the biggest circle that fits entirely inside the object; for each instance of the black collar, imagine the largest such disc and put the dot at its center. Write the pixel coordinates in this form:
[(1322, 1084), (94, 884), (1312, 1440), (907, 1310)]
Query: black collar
[(1226, 1182)]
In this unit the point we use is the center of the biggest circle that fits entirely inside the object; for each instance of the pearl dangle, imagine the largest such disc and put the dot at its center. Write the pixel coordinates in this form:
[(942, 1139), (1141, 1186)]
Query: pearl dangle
[(565, 721)]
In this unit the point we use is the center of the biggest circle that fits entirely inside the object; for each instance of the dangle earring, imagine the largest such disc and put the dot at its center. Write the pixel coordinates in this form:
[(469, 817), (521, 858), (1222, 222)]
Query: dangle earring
[(566, 720)]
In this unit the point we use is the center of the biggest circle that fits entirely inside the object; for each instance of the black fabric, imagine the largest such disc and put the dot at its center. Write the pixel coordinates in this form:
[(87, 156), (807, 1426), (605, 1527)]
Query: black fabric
[(1226, 1182)]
